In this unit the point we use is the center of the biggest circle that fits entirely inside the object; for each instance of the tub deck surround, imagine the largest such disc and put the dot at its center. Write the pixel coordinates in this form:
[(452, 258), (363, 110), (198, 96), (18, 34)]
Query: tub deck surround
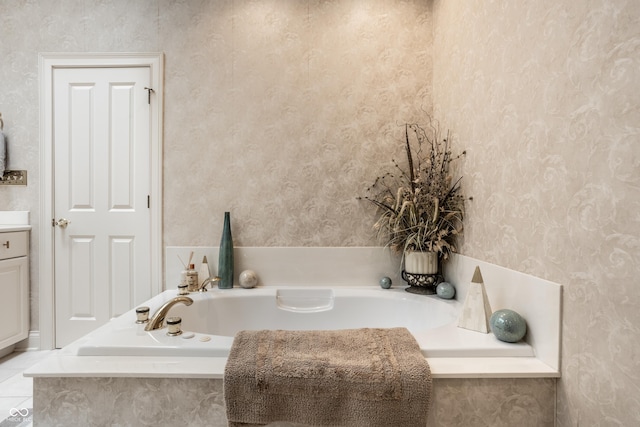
[(296, 266), (536, 299)]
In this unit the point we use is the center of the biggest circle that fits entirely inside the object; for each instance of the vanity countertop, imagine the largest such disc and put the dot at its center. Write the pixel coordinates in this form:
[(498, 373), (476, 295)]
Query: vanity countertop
[(11, 227), (14, 221)]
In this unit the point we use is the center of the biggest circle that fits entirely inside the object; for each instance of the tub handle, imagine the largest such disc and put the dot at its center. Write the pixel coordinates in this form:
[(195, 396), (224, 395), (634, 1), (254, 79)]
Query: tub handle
[(174, 326)]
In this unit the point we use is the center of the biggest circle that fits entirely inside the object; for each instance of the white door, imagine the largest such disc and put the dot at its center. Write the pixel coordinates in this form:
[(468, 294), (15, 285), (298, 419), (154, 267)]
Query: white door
[(101, 140)]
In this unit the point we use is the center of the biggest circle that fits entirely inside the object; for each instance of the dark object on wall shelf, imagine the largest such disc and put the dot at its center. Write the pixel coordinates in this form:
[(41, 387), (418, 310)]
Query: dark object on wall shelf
[(13, 178)]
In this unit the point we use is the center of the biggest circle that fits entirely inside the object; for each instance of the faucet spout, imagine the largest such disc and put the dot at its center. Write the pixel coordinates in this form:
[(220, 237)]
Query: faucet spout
[(157, 321), (203, 287)]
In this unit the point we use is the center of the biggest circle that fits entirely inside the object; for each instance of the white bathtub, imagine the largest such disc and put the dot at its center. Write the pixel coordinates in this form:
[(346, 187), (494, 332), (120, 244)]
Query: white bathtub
[(213, 319), (128, 361)]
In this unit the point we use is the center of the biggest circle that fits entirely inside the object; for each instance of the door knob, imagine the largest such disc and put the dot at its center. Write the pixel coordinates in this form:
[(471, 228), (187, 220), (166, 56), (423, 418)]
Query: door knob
[(62, 223)]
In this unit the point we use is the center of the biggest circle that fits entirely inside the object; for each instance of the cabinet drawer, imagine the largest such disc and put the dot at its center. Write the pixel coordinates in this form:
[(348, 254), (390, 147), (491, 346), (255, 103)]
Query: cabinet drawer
[(14, 244)]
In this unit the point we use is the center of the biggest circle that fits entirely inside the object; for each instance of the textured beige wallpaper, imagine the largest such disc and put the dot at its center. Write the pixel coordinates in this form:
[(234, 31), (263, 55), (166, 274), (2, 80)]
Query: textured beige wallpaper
[(282, 111), (545, 97)]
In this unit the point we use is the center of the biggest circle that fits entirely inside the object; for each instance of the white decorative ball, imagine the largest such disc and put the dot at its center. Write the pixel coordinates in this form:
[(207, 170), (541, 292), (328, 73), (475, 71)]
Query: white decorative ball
[(248, 279)]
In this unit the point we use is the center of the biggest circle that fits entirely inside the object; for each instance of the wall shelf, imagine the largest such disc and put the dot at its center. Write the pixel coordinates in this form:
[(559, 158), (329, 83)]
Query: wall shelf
[(11, 177)]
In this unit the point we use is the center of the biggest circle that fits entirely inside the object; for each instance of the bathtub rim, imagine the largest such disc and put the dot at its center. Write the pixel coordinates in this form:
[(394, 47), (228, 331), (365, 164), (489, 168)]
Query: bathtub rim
[(66, 363), (443, 340)]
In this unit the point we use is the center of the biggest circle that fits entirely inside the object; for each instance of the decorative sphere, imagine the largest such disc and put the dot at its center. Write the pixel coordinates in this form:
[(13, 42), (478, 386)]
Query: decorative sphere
[(507, 325), (445, 290), (385, 282), (248, 279)]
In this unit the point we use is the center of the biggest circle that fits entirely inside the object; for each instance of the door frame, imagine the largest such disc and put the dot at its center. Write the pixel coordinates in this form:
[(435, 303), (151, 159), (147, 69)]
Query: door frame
[(47, 63)]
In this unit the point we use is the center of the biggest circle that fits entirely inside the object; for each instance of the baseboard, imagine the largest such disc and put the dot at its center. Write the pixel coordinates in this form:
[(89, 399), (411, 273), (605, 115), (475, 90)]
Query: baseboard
[(6, 351), (31, 343)]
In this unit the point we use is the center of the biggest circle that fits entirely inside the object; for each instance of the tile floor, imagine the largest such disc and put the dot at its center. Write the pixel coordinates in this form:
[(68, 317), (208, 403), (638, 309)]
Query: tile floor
[(16, 391)]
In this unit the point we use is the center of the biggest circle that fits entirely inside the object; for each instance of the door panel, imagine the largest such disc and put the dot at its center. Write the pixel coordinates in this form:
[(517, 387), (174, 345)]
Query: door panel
[(101, 183), (122, 274)]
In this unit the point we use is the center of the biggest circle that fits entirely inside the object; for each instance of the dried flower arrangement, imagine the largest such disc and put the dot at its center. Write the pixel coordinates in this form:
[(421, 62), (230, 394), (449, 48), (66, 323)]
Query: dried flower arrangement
[(420, 209)]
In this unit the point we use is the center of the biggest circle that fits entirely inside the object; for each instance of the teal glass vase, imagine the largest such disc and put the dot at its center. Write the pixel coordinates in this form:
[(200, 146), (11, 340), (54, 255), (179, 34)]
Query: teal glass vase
[(225, 258)]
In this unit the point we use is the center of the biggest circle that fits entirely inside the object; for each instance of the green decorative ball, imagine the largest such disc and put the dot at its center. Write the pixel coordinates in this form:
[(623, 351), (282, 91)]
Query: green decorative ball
[(507, 325), (385, 282), (445, 290)]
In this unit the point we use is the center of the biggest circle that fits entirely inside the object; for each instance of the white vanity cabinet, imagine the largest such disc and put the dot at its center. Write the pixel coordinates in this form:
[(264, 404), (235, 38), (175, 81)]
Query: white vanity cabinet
[(14, 287)]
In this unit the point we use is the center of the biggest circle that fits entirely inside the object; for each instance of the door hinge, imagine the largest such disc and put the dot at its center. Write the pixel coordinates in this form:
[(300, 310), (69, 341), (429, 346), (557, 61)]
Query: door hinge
[(149, 90)]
